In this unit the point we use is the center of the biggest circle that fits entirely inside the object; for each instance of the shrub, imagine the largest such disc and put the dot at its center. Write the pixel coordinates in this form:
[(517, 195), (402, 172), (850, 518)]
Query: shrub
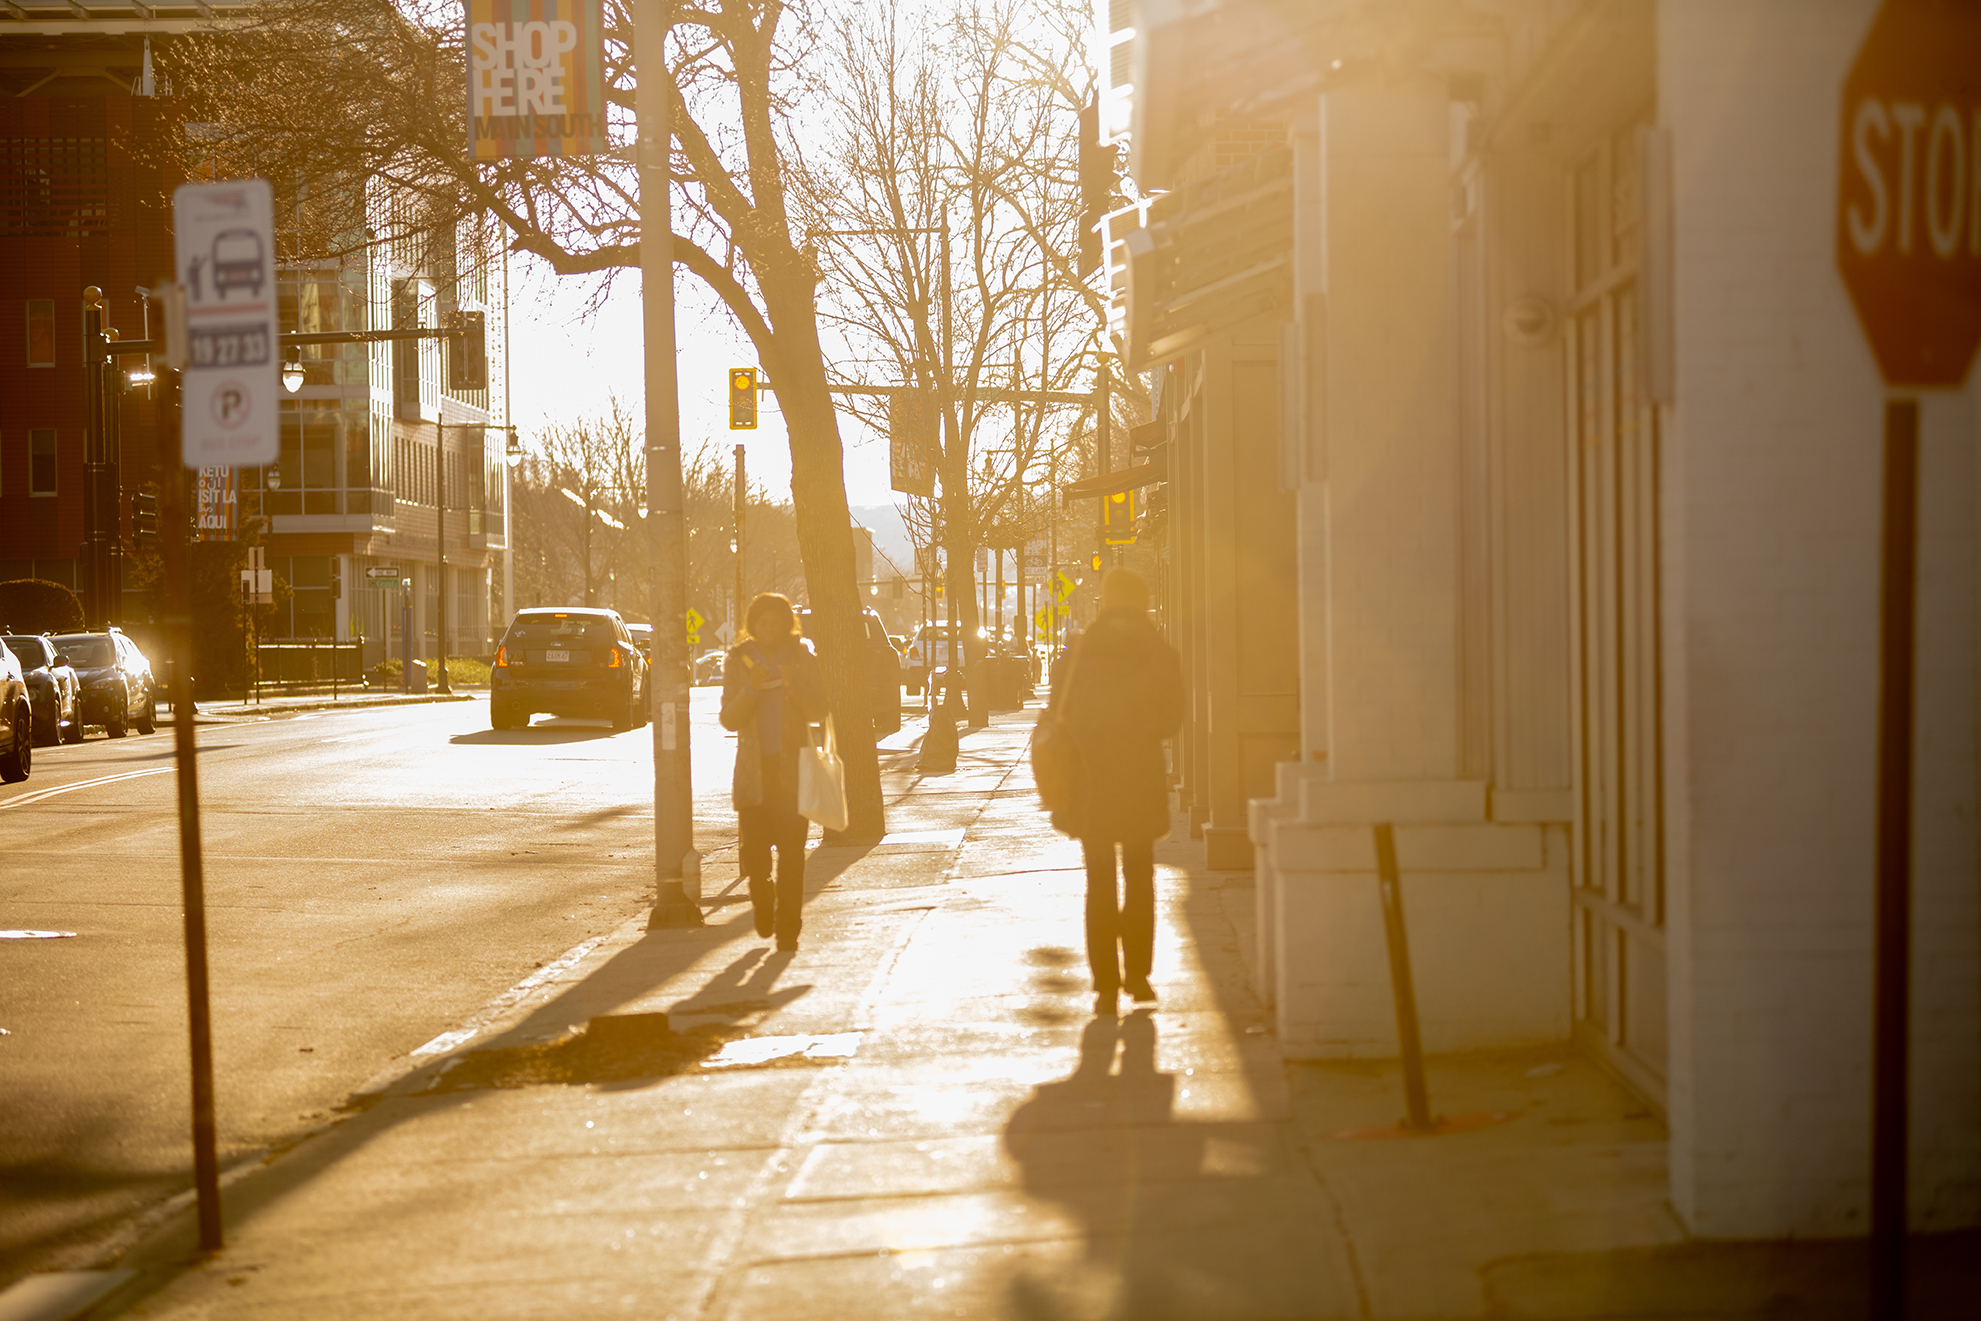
[(36, 605)]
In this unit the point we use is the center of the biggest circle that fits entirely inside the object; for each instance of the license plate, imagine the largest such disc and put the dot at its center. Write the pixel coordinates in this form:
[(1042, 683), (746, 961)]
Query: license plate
[(557, 655)]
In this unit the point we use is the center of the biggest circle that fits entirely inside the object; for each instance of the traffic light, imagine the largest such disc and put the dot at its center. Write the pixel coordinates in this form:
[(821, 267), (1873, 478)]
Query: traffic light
[(1097, 184), (1095, 562), (742, 398), (144, 519), (467, 352), (1118, 519)]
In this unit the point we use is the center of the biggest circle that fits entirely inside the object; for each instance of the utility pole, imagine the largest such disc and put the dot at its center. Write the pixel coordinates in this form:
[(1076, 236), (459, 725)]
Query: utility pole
[(742, 503), (674, 856)]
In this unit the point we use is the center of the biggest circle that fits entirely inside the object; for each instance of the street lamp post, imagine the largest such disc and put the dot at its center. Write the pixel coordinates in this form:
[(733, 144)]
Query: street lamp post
[(674, 856), (440, 550)]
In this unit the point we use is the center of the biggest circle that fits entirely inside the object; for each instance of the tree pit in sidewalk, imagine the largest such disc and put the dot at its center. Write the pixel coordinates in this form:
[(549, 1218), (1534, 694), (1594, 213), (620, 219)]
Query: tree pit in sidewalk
[(613, 1048)]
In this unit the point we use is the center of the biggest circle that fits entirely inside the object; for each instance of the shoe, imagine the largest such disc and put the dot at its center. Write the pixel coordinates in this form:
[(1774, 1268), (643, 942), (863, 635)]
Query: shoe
[(765, 908), (787, 946), (1104, 1005), (1139, 988)]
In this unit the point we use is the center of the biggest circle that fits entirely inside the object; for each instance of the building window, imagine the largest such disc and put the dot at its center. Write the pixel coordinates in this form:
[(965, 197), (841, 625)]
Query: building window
[(41, 332), (41, 462), (326, 458)]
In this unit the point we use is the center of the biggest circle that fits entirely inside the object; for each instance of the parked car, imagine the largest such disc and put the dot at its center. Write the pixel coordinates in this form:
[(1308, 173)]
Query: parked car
[(16, 720), (928, 652), (643, 634), (883, 670), (117, 684), (708, 667), (573, 662), (53, 690)]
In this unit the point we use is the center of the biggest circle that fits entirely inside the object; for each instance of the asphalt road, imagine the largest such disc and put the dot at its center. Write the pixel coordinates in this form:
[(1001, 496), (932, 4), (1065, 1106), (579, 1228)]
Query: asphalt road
[(373, 878)]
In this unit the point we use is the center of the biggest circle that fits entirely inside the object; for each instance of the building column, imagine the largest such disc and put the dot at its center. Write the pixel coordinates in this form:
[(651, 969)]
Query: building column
[(1380, 643)]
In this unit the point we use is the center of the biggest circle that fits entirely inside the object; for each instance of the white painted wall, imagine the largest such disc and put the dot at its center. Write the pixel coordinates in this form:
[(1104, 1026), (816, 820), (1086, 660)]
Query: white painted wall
[(1771, 507)]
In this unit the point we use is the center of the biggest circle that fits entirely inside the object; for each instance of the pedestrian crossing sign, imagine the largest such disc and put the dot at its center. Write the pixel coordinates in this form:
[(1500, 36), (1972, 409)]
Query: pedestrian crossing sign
[(695, 622), (1042, 624), (1062, 586)]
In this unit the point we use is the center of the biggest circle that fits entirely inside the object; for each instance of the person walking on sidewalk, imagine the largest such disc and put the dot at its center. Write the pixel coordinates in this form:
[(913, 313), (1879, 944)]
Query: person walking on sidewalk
[(772, 692), (1119, 693)]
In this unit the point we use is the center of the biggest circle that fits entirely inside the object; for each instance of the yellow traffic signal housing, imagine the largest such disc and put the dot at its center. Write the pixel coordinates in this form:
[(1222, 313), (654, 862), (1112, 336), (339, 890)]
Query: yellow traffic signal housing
[(742, 398), (1118, 519)]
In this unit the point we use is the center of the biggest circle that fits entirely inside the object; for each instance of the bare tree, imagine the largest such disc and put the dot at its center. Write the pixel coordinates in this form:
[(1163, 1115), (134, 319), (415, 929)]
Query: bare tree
[(966, 123), (370, 94)]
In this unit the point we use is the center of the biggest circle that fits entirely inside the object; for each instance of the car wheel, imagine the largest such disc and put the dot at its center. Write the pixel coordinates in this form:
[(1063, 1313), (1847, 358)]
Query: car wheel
[(18, 761), (114, 726), (499, 714), (73, 731), (623, 719), (47, 731), (148, 713)]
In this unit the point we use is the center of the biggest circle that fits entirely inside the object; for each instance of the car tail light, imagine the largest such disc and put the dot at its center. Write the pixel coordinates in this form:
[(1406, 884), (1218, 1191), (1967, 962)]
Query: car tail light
[(612, 658), (501, 658)]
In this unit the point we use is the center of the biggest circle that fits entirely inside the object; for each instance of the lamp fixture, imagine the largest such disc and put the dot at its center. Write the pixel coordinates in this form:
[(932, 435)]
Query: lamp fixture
[(513, 455), (272, 477), (292, 375)]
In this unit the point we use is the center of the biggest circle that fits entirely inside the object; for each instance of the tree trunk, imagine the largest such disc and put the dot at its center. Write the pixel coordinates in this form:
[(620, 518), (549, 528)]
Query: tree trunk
[(825, 539)]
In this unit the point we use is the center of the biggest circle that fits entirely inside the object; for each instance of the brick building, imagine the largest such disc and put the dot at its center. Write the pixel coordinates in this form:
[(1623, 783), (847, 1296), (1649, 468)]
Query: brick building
[(370, 443), (1524, 486)]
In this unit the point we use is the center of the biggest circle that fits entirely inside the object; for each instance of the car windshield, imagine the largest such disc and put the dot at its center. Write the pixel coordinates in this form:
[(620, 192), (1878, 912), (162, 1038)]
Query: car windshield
[(561, 631), (33, 652), (87, 653)]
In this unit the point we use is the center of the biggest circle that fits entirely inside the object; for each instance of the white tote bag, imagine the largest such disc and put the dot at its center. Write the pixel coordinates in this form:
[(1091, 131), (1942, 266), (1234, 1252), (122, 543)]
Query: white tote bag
[(822, 781)]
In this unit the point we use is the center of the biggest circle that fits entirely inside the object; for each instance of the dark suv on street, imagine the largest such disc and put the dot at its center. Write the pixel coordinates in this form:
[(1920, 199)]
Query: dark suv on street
[(53, 689), (118, 690), (883, 670), (572, 662)]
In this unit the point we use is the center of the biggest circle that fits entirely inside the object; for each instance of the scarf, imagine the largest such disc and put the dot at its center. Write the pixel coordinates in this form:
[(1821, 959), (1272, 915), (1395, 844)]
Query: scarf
[(770, 704)]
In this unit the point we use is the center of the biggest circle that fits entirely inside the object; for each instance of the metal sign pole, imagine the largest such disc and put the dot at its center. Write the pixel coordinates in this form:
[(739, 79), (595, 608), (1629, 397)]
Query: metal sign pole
[(179, 635), (1891, 961)]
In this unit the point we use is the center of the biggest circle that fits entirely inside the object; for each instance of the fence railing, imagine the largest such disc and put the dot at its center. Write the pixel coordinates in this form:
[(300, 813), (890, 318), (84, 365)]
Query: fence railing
[(309, 662)]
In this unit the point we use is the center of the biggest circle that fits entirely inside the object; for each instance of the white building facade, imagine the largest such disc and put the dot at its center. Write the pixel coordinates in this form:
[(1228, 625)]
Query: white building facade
[(1579, 442)]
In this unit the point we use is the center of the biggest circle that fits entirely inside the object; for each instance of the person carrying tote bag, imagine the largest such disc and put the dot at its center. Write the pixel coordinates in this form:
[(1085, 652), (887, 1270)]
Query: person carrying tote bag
[(772, 691), (822, 782), (1105, 777)]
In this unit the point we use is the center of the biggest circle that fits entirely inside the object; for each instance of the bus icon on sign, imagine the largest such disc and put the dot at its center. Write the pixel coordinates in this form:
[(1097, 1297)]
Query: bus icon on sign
[(237, 258)]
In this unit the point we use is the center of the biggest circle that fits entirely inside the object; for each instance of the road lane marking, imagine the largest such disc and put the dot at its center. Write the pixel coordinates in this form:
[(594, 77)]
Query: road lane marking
[(35, 935), (42, 794)]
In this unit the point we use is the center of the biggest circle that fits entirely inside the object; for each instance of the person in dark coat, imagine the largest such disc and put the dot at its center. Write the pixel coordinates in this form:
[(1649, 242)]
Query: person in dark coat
[(1120, 693), (772, 692)]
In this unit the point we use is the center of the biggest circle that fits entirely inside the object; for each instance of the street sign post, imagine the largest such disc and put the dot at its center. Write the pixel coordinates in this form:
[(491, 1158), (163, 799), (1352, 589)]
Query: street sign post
[(224, 253), (1908, 243), (384, 575)]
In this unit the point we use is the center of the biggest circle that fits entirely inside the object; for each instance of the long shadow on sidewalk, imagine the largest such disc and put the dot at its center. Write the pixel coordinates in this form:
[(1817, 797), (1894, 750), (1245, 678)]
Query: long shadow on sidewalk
[(628, 975)]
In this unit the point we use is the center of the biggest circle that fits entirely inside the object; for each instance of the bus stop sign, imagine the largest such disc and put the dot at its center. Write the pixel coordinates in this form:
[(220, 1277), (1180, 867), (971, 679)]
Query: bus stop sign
[(1909, 197)]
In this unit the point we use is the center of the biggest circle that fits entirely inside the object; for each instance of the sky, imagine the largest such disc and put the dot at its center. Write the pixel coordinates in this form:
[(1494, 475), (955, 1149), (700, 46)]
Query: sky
[(570, 361)]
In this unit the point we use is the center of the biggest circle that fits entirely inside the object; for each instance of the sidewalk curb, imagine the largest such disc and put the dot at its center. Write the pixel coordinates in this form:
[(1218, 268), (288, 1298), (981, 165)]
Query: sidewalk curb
[(213, 716)]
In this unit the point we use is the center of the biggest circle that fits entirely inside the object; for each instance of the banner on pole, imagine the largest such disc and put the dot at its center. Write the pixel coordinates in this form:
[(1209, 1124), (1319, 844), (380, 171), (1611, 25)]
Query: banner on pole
[(536, 79), (911, 418), (214, 507)]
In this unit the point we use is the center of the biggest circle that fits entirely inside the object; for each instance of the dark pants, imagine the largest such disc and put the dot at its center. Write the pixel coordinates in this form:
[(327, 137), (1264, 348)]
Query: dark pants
[(1116, 920), (775, 824)]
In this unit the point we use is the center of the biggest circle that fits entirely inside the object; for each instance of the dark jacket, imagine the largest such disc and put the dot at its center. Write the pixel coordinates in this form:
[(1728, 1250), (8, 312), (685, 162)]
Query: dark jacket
[(804, 705), (1122, 696)]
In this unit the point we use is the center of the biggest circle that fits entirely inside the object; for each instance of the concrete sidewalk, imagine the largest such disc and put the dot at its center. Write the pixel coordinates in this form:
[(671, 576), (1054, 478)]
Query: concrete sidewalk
[(916, 1115)]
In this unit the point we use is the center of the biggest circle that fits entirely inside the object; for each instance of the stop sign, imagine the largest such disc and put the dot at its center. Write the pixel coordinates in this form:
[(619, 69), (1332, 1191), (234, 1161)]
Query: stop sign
[(1909, 198)]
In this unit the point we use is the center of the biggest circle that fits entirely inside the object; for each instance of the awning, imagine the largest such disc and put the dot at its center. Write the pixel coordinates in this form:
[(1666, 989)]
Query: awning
[(1126, 479)]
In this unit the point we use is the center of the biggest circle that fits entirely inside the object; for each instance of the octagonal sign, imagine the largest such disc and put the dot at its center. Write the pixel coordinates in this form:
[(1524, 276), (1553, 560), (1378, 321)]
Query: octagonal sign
[(1909, 200)]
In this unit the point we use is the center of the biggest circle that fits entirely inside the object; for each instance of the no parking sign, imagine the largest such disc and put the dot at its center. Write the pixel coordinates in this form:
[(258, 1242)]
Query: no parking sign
[(224, 250)]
